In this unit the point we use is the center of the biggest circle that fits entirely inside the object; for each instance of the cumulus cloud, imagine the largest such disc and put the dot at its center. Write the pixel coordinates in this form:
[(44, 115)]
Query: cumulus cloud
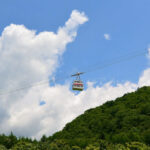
[(107, 36), (25, 52), (27, 56), (145, 78), (148, 55), (27, 117)]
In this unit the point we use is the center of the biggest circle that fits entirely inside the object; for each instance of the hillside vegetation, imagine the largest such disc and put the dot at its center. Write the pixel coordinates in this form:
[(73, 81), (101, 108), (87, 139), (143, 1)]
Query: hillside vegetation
[(122, 124)]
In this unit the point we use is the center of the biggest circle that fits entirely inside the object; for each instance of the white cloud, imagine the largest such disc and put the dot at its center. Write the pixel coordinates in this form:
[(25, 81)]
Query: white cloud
[(107, 36), (28, 118), (148, 55), (145, 78), (27, 56)]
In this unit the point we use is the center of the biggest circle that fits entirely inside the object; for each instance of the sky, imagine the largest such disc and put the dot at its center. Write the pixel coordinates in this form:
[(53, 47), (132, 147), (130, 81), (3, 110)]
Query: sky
[(47, 40)]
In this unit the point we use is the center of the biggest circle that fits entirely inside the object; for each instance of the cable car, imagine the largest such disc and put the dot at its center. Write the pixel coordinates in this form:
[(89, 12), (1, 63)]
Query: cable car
[(77, 84)]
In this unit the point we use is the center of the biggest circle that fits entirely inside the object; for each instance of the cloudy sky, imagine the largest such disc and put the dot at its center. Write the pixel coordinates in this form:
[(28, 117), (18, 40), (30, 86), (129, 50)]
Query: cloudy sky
[(45, 41)]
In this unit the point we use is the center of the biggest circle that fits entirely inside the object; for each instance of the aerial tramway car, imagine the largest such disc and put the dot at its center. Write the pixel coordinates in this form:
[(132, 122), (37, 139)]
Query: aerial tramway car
[(77, 83)]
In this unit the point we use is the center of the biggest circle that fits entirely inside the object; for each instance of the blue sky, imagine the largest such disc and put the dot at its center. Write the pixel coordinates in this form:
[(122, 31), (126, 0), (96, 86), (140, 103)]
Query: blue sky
[(127, 22), (26, 57)]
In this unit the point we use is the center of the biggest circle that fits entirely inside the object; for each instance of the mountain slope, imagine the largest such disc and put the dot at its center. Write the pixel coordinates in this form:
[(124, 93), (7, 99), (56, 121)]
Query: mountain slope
[(122, 124), (124, 120)]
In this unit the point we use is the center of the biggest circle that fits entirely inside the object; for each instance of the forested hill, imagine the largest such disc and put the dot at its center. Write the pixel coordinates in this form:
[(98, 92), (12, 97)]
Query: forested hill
[(122, 124), (124, 120)]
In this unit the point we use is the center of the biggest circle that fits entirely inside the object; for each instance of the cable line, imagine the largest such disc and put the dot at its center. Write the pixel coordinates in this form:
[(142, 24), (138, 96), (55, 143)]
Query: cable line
[(31, 86), (92, 69), (116, 61)]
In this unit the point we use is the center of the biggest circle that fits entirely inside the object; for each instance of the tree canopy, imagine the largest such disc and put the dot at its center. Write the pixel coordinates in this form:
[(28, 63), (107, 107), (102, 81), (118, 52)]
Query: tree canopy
[(121, 124)]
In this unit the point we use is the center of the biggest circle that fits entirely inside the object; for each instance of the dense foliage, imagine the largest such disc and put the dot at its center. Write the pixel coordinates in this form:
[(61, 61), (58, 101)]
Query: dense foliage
[(123, 124), (127, 119)]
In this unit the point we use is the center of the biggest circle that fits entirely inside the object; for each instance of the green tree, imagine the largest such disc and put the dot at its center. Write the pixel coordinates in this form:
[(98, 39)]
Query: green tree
[(137, 146), (2, 147)]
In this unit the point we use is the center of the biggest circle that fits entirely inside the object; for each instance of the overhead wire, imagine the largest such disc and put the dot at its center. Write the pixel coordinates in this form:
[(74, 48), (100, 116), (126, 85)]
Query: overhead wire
[(7, 92), (117, 60), (91, 69)]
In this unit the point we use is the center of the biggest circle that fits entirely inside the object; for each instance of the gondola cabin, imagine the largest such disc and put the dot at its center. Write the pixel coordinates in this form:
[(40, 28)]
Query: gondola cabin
[(77, 85)]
